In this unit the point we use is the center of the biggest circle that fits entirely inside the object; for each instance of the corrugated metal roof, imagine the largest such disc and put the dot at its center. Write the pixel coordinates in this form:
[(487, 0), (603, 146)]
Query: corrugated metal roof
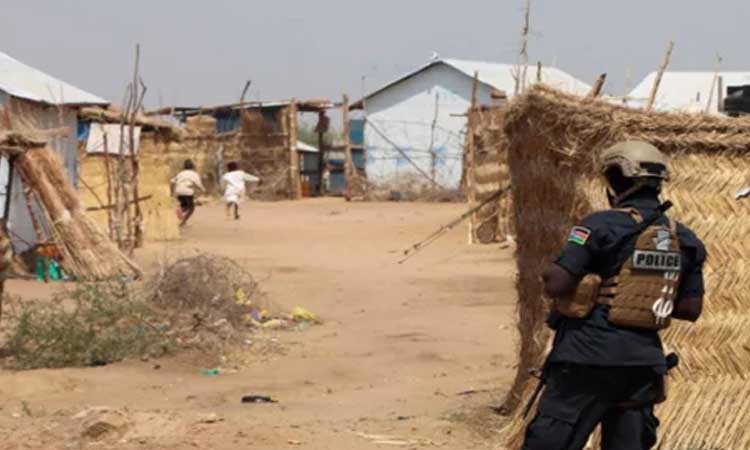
[(22, 81), (685, 91), (313, 105), (498, 76)]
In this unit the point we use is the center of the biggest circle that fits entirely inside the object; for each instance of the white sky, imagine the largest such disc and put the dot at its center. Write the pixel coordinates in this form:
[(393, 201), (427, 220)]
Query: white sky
[(201, 52)]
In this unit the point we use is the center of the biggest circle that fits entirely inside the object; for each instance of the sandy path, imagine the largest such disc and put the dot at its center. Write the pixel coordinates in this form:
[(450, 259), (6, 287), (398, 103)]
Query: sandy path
[(398, 343)]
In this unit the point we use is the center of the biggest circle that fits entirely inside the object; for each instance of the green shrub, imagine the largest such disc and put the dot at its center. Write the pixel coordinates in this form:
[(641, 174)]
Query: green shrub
[(93, 324)]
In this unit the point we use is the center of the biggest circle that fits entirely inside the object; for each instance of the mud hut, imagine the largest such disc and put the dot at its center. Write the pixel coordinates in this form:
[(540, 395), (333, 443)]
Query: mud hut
[(554, 141), (97, 168), (262, 137)]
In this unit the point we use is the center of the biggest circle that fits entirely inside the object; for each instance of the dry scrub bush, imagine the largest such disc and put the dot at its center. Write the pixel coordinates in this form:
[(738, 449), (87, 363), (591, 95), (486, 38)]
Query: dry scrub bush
[(93, 324), (203, 302)]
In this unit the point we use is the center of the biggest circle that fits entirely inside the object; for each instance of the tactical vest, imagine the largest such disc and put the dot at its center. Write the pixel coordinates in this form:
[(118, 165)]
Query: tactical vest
[(642, 295)]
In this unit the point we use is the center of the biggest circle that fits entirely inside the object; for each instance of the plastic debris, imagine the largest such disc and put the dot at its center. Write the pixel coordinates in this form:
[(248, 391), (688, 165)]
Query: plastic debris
[(258, 399), (300, 314), (210, 372), (274, 324)]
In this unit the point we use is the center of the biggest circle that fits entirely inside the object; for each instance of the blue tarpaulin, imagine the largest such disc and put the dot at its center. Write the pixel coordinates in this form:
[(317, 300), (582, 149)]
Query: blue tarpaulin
[(83, 131)]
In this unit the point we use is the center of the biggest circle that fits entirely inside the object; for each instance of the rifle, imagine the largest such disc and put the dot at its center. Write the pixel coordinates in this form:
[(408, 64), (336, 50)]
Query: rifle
[(411, 251)]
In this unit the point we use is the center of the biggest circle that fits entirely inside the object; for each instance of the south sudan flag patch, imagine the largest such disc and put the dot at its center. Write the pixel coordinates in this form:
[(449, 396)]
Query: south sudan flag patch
[(579, 235)]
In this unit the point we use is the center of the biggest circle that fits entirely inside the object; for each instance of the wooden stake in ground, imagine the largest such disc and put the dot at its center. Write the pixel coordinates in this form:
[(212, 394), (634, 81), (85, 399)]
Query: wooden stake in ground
[(659, 75), (597, 89), (136, 240), (714, 82), (322, 161), (471, 155), (348, 162), (538, 71), (295, 186), (108, 171), (431, 148)]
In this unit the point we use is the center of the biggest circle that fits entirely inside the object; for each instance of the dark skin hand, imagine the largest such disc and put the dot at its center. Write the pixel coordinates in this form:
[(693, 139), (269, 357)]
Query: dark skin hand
[(558, 282), (689, 309)]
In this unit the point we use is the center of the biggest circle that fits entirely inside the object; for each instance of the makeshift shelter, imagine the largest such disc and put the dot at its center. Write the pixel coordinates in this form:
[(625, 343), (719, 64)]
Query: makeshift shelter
[(86, 252), (554, 140), (31, 99), (262, 137), (414, 126), (97, 169)]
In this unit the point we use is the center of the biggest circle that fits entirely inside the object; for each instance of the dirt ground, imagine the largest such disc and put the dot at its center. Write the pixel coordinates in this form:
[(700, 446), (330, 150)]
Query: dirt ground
[(408, 356)]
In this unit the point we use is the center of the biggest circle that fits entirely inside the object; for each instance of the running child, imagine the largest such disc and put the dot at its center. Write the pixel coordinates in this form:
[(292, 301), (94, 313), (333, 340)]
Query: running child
[(233, 183)]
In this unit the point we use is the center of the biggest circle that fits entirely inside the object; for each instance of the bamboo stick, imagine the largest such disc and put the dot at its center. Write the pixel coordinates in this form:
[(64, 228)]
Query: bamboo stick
[(294, 176), (659, 75)]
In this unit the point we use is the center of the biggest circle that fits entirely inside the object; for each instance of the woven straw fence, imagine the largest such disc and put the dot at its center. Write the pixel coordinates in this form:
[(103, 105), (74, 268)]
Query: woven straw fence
[(488, 173), (553, 143)]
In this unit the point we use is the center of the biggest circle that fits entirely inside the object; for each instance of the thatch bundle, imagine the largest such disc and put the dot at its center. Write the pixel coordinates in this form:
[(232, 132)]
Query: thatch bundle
[(88, 253), (554, 140), (487, 173), (115, 116)]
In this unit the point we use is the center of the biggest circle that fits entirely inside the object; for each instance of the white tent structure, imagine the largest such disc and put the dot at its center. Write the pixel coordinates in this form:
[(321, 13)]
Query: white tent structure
[(40, 101), (687, 91), (415, 124)]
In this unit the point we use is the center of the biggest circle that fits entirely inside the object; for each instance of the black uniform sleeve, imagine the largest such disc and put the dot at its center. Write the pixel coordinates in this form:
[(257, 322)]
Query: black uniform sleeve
[(691, 284), (583, 246)]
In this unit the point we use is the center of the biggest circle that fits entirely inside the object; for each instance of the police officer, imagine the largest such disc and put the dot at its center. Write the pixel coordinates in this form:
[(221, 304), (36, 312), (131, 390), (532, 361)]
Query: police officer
[(607, 366)]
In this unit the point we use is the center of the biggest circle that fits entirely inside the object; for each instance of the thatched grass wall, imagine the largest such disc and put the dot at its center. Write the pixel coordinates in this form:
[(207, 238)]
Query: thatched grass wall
[(160, 159), (487, 172), (554, 140)]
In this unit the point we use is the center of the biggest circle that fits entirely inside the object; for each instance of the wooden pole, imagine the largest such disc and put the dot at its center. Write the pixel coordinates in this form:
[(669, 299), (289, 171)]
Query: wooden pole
[(321, 153), (597, 89), (348, 162), (471, 155), (295, 185), (431, 148), (137, 237), (714, 82), (108, 170), (110, 207), (538, 71), (659, 75), (120, 192), (6, 249), (524, 56)]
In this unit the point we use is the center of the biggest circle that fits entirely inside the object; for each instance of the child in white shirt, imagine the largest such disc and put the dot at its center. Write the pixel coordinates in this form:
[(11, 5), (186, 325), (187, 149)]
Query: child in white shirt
[(233, 184), (186, 185)]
